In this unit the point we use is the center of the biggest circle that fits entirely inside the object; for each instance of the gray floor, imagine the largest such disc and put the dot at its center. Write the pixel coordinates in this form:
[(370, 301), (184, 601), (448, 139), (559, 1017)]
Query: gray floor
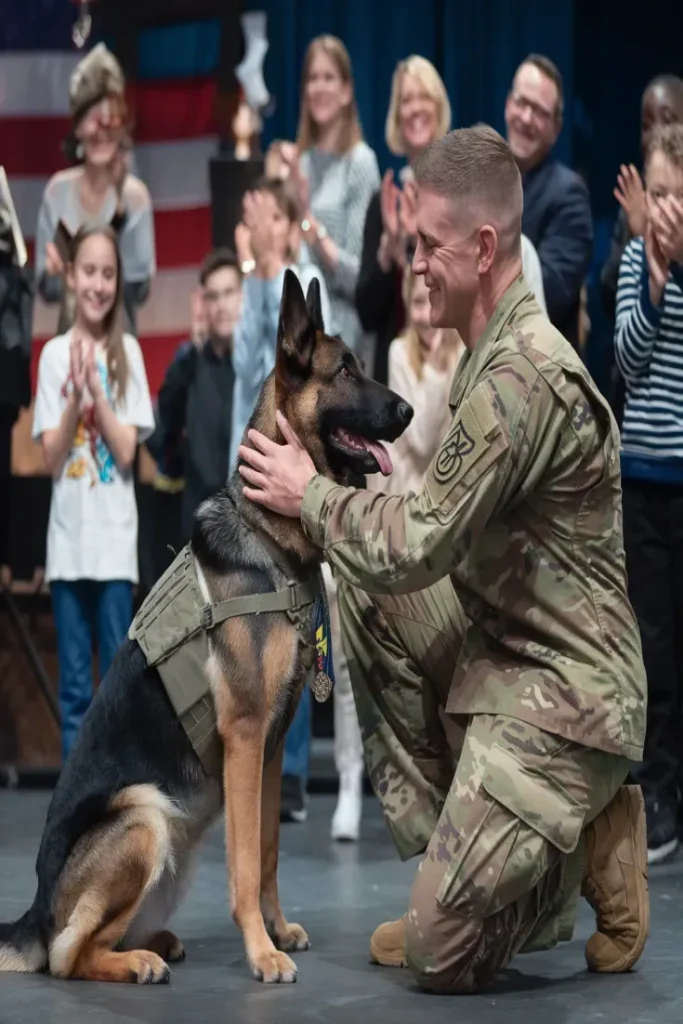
[(339, 893)]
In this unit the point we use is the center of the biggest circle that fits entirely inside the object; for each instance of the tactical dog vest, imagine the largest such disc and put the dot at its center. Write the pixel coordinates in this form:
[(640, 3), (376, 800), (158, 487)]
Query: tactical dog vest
[(172, 627)]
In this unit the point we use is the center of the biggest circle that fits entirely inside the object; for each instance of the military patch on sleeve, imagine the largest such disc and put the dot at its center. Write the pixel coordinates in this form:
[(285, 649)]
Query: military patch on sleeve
[(457, 446), (473, 444)]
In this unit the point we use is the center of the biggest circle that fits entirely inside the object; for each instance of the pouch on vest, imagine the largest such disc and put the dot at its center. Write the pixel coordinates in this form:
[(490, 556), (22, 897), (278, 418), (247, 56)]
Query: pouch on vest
[(171, 613)]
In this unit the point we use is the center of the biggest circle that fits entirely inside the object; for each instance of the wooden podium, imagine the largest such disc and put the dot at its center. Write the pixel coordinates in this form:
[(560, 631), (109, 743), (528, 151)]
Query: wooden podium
[(230, 179)]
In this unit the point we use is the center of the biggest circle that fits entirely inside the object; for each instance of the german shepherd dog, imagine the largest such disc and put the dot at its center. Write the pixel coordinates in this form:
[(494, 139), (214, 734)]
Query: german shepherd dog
[(133, 799)]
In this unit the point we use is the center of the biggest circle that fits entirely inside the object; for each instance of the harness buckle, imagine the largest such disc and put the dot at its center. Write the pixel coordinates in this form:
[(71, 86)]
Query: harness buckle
[(294, 603), (207, 617)]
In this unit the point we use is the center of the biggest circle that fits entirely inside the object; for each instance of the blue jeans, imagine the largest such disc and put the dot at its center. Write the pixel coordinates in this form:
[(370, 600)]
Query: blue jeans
[(297, 755), (81, 608)]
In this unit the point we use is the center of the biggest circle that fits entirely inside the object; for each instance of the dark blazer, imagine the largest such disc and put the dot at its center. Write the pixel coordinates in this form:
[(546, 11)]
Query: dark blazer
[(557, 219)]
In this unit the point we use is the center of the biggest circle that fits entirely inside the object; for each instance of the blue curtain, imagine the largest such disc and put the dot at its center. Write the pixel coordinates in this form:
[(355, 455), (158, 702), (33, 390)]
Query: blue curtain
[(475, 47)]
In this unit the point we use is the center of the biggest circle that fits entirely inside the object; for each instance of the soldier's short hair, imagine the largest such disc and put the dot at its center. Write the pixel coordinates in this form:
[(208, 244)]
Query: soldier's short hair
[(475, 166)]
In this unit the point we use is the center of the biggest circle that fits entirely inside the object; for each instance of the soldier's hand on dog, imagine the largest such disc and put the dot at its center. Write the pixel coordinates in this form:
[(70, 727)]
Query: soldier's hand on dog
[(279, 473)]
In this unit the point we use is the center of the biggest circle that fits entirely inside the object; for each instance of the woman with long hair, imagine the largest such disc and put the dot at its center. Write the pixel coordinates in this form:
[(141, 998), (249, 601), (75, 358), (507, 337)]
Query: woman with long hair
[(335, 173)]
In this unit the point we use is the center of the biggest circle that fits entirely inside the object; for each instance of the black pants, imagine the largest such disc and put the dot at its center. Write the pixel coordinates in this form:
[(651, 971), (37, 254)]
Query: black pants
[(8, 417), (653, 538)]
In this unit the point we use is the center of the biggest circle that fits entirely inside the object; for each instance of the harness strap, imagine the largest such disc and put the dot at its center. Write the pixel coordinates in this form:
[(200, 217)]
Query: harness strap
[(291, 599)]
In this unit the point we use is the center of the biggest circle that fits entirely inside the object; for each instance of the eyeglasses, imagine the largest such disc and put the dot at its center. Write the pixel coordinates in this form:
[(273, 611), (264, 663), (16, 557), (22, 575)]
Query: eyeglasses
[(524, 103)]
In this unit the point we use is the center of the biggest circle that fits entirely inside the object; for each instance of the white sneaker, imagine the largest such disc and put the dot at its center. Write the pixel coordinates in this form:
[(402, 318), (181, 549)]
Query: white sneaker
[(346, 819)]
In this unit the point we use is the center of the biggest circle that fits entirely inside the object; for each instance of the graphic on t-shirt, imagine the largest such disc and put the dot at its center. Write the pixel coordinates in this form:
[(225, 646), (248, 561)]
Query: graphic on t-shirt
[(89, 453)]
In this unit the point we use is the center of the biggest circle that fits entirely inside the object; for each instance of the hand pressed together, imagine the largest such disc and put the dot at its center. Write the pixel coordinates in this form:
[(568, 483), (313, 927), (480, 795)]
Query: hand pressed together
[(279, 473)]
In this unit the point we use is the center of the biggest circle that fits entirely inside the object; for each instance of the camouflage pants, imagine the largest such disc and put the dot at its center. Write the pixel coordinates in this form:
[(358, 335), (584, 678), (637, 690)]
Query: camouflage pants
[(497, 811)]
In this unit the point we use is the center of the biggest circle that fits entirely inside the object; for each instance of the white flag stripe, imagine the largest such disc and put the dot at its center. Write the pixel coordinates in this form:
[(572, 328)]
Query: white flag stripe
[(35, 84)]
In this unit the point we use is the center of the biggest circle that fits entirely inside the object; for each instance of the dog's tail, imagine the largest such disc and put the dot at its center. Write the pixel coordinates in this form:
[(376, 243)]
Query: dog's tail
[(21, 945)]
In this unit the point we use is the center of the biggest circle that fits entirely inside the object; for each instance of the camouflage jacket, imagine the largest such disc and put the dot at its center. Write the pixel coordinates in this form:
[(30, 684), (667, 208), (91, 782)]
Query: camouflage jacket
[(521, 506)]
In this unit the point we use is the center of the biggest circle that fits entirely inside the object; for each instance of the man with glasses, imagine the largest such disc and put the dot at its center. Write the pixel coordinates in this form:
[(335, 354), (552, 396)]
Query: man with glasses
[(557, 215)]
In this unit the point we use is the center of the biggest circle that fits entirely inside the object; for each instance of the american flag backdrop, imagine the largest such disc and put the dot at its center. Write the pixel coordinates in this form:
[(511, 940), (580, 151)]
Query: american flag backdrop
[(173, 100)]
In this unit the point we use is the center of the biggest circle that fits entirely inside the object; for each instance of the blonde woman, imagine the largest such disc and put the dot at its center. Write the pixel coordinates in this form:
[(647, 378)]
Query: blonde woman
[(422, 363), (419, 112), (336, 173)]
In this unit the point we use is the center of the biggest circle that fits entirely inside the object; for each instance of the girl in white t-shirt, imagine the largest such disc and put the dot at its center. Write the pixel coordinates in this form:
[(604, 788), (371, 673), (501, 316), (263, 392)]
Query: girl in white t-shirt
[(92, 410)]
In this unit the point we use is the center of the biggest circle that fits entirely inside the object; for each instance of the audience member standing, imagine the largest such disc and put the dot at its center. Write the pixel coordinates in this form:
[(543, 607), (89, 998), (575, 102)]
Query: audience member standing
[(662, 103), (195, 401), (99, 189), (557, 215), (649, 354), (419, 112), (92, 409), (335, 173)]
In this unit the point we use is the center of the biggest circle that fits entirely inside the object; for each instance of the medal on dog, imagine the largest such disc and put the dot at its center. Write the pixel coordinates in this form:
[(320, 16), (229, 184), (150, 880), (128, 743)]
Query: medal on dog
[(324, 670)]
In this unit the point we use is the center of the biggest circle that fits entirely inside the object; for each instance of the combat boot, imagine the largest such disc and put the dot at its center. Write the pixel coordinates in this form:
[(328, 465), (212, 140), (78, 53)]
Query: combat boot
[(388, 944), (615, 883)]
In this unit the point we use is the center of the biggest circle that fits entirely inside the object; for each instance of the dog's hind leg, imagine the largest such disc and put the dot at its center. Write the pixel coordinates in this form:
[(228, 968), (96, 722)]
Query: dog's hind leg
[(103, 884), (286, 936), (148, 929)]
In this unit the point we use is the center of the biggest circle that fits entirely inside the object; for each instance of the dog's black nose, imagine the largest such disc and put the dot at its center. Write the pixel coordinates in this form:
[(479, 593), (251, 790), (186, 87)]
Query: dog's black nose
[(404, 413)]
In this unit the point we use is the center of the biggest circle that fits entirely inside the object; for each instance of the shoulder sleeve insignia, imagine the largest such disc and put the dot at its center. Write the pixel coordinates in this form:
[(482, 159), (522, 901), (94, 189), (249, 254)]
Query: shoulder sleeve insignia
[(457, 446)]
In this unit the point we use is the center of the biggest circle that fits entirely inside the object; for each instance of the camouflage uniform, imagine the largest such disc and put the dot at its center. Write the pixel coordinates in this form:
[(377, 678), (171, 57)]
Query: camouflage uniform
[(498, 595)]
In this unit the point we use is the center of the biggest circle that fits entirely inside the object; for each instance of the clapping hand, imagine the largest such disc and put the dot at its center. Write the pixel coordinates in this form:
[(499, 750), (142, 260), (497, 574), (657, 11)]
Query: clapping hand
[(290, 158), (77, 366), (667, 221), (630, 194), (258, 221), (92, 374), (399, 221)]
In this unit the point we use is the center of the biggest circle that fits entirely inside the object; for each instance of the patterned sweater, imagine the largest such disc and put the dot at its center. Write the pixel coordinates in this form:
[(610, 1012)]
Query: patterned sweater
[(649, 354)]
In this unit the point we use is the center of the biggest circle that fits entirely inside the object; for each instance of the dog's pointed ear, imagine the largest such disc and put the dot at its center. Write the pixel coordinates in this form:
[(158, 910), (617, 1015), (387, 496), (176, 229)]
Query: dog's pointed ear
[(314, 305), (295, 331)]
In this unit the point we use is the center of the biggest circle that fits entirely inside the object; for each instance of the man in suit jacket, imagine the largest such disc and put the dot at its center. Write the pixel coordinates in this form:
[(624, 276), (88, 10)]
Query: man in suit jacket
[(557, 215)]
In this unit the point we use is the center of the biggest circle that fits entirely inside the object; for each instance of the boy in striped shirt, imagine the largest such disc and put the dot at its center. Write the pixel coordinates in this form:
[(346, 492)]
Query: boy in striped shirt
[(649, 354)]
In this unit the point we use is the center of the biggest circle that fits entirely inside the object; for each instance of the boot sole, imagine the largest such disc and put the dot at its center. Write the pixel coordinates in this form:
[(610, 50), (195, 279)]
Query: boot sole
[(387, 961), (636, 812)]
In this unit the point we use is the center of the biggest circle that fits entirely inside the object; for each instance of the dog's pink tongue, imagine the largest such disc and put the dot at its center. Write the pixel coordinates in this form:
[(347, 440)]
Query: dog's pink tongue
[(382, 456)]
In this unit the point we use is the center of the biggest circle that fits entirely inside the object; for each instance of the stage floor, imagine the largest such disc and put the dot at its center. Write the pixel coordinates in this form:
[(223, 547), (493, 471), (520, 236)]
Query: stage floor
[(339, 893)]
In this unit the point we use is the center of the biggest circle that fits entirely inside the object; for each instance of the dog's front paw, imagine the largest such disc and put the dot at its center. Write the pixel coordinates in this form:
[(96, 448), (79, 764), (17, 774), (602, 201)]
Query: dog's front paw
[(292, 938), (273, 966)]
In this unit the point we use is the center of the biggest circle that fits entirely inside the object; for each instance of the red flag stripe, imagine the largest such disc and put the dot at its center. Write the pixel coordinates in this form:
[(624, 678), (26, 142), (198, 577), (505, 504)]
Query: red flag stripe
[(183, 237), (33, 145), (173, 110)]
